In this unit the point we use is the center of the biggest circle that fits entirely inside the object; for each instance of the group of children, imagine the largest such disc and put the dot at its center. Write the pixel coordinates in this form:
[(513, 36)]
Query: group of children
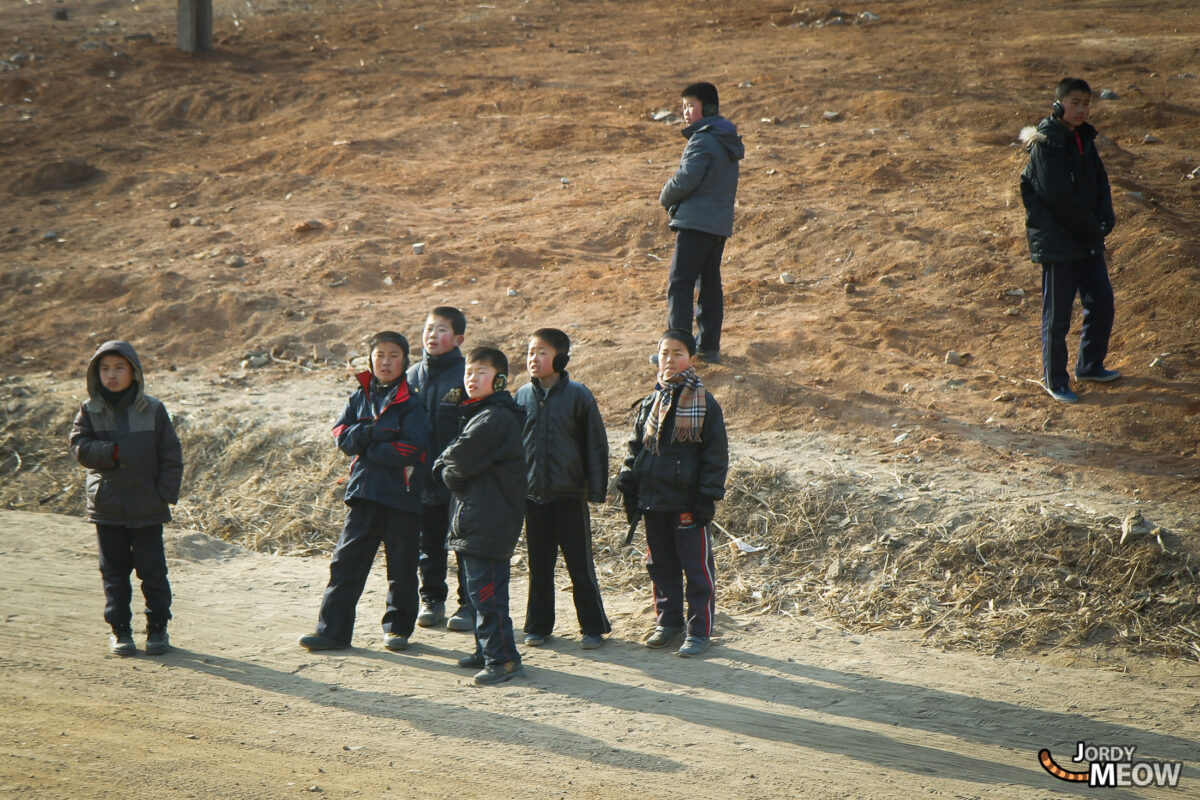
[(445, 458)]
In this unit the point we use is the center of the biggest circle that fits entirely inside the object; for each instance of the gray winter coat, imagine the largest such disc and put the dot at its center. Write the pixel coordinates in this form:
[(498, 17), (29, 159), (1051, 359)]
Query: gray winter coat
[(133, 457), (701, 193)]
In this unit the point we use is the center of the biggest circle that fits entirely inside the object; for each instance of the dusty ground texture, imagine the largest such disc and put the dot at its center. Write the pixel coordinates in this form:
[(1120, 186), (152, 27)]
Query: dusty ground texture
[(265, 198)]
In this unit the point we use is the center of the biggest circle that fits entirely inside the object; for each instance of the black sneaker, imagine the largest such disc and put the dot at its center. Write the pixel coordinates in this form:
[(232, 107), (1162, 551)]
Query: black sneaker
[(395, 643), (157, 641), (1101, 375), (431, 615), (591, 641), (709, 356), (693, 646), (473, 661), (662, 636), (536, 639), (462, 620), (121, 641), (319, 641), (499, 673)]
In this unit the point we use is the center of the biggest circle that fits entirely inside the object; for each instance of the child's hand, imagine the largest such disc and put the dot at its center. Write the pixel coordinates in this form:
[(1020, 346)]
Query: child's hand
[(706, 509)]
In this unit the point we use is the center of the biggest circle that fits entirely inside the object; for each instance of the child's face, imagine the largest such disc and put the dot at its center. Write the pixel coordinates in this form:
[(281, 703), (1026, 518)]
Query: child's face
[(439, 337), (673, 358), (692, 110), (387, 361), (1077, 104), (116, 374), (540, 359), (478, 379)]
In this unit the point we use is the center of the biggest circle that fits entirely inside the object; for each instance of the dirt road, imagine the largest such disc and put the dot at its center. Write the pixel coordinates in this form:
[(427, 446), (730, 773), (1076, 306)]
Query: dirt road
[(780, 710)]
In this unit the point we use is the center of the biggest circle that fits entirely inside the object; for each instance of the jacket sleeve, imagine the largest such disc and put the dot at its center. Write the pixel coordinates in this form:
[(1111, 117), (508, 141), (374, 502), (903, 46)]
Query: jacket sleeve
[(1107, 218), (471, 454), (170, 457), (595, 443), (407, 445), (626, 479), (352, 434), (714, 452), (692, 168), (1052, 182), (89, 451)]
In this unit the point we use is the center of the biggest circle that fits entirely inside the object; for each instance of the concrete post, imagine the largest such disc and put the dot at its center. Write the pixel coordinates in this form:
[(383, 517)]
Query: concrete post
[(195, 25)]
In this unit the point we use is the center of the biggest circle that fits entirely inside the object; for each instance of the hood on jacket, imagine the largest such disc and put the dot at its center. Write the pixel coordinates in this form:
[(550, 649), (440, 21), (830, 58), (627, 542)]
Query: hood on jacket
[(1051, 131), (126, 351), (721, 129)]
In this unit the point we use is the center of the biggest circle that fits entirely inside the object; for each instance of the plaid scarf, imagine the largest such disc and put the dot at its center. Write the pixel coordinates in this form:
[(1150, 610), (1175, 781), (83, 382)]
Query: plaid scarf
[(689, 408)]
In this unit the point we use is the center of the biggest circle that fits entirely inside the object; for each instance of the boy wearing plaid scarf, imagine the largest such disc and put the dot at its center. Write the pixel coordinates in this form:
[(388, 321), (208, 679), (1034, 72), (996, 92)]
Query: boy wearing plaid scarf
[(672, 477)]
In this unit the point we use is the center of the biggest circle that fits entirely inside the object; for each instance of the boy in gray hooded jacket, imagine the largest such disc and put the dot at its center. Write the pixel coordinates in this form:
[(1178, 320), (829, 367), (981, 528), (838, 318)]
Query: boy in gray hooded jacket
[(135, 467), (699, 198)]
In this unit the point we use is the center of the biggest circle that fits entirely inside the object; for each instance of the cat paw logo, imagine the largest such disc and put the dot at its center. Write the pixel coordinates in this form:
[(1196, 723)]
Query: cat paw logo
[(1113, 766)]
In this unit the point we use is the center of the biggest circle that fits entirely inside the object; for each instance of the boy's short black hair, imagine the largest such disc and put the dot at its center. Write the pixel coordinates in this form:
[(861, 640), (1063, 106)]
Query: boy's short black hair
[(703, 91), (490, 356), (555, 338), (1068, 85), (456, 318), (389, 336), (685, 338)]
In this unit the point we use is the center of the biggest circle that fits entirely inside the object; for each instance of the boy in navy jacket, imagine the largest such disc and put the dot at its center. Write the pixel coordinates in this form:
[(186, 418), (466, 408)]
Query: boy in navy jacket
[(384, 429), (566, 460), (436, 375), (672, 477), (135, 467), (484, 468)]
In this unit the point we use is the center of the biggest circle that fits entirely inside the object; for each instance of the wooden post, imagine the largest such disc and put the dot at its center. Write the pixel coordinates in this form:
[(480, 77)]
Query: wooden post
[(195, 25)]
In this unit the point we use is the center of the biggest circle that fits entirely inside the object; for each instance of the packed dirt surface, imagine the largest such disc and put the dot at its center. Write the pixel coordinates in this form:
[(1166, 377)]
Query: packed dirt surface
[(247, 216)]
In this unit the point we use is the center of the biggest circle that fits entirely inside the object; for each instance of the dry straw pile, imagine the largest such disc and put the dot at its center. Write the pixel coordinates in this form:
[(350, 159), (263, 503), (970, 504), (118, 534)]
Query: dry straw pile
[(990, 575)]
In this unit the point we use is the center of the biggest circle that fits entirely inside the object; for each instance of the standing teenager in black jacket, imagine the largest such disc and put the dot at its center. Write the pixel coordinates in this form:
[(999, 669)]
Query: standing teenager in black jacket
[(484, 468), (383, 427), (673, 476), (135, 467), (1068, 212), (438, 374), (566, 460)]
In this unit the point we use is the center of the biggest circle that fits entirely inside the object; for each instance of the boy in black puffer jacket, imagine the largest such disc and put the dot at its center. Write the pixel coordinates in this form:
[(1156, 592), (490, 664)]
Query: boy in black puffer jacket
[(135, 467), (1068, 213), (566, 458), (384, 428), (484, 468), (673, 477)]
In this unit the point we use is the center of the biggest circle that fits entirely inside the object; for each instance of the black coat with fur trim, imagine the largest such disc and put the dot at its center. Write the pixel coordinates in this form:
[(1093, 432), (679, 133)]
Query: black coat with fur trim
[(1068, 201)]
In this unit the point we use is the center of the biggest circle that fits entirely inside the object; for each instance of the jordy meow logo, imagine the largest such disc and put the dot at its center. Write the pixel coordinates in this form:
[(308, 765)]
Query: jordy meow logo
[(1113, 765)]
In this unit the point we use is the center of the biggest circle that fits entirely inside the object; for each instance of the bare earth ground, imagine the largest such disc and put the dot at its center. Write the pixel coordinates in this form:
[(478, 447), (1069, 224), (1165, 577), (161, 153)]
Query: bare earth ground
[(158, 196)]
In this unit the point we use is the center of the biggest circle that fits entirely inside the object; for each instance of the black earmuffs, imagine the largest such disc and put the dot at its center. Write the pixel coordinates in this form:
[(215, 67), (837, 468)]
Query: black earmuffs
[(710, 110), (560, 361), (499, 382), (1057, 111)]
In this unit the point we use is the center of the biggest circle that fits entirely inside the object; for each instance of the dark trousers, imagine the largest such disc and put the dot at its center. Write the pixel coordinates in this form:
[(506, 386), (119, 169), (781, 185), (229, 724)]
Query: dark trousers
[(677, 548), (434, 558), (549, 527), (367, 525), (697, 259), (122, 551), (1060, 283), (487, 586)]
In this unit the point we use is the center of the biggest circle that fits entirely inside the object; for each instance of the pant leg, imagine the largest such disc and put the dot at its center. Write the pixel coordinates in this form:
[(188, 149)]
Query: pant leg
[(574, 527), (487, 586), (150, 561), (686, 260), (401, 534), (352, 559), (694, 546), (435, 520), (116, 563), (666, 571), (1060, 281), (1096, 297), (541, 543), (710, 301), (464, 599)]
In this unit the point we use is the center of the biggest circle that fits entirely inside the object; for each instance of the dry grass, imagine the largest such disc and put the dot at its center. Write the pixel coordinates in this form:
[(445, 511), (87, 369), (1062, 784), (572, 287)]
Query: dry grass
[(988, 575)]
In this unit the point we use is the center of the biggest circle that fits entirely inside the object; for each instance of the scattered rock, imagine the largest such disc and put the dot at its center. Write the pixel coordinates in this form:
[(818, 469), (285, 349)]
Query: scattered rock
[(868, 16), (669, 117), (138, 37), (745, 85), (235, 261), (850, 288), (740, 378), (907, 388), (1015, 293), (308, 225), (1158, 362), (1150, 138), (953, 358), (512, 292), (787, 277), (565, 181), (195, 222), (1012, 312), (388, 280), (1108, 94), (49, 236), (1134, 525), (1004, 397), (174, 222), (418, 248), (255, 361), (832, 116)]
